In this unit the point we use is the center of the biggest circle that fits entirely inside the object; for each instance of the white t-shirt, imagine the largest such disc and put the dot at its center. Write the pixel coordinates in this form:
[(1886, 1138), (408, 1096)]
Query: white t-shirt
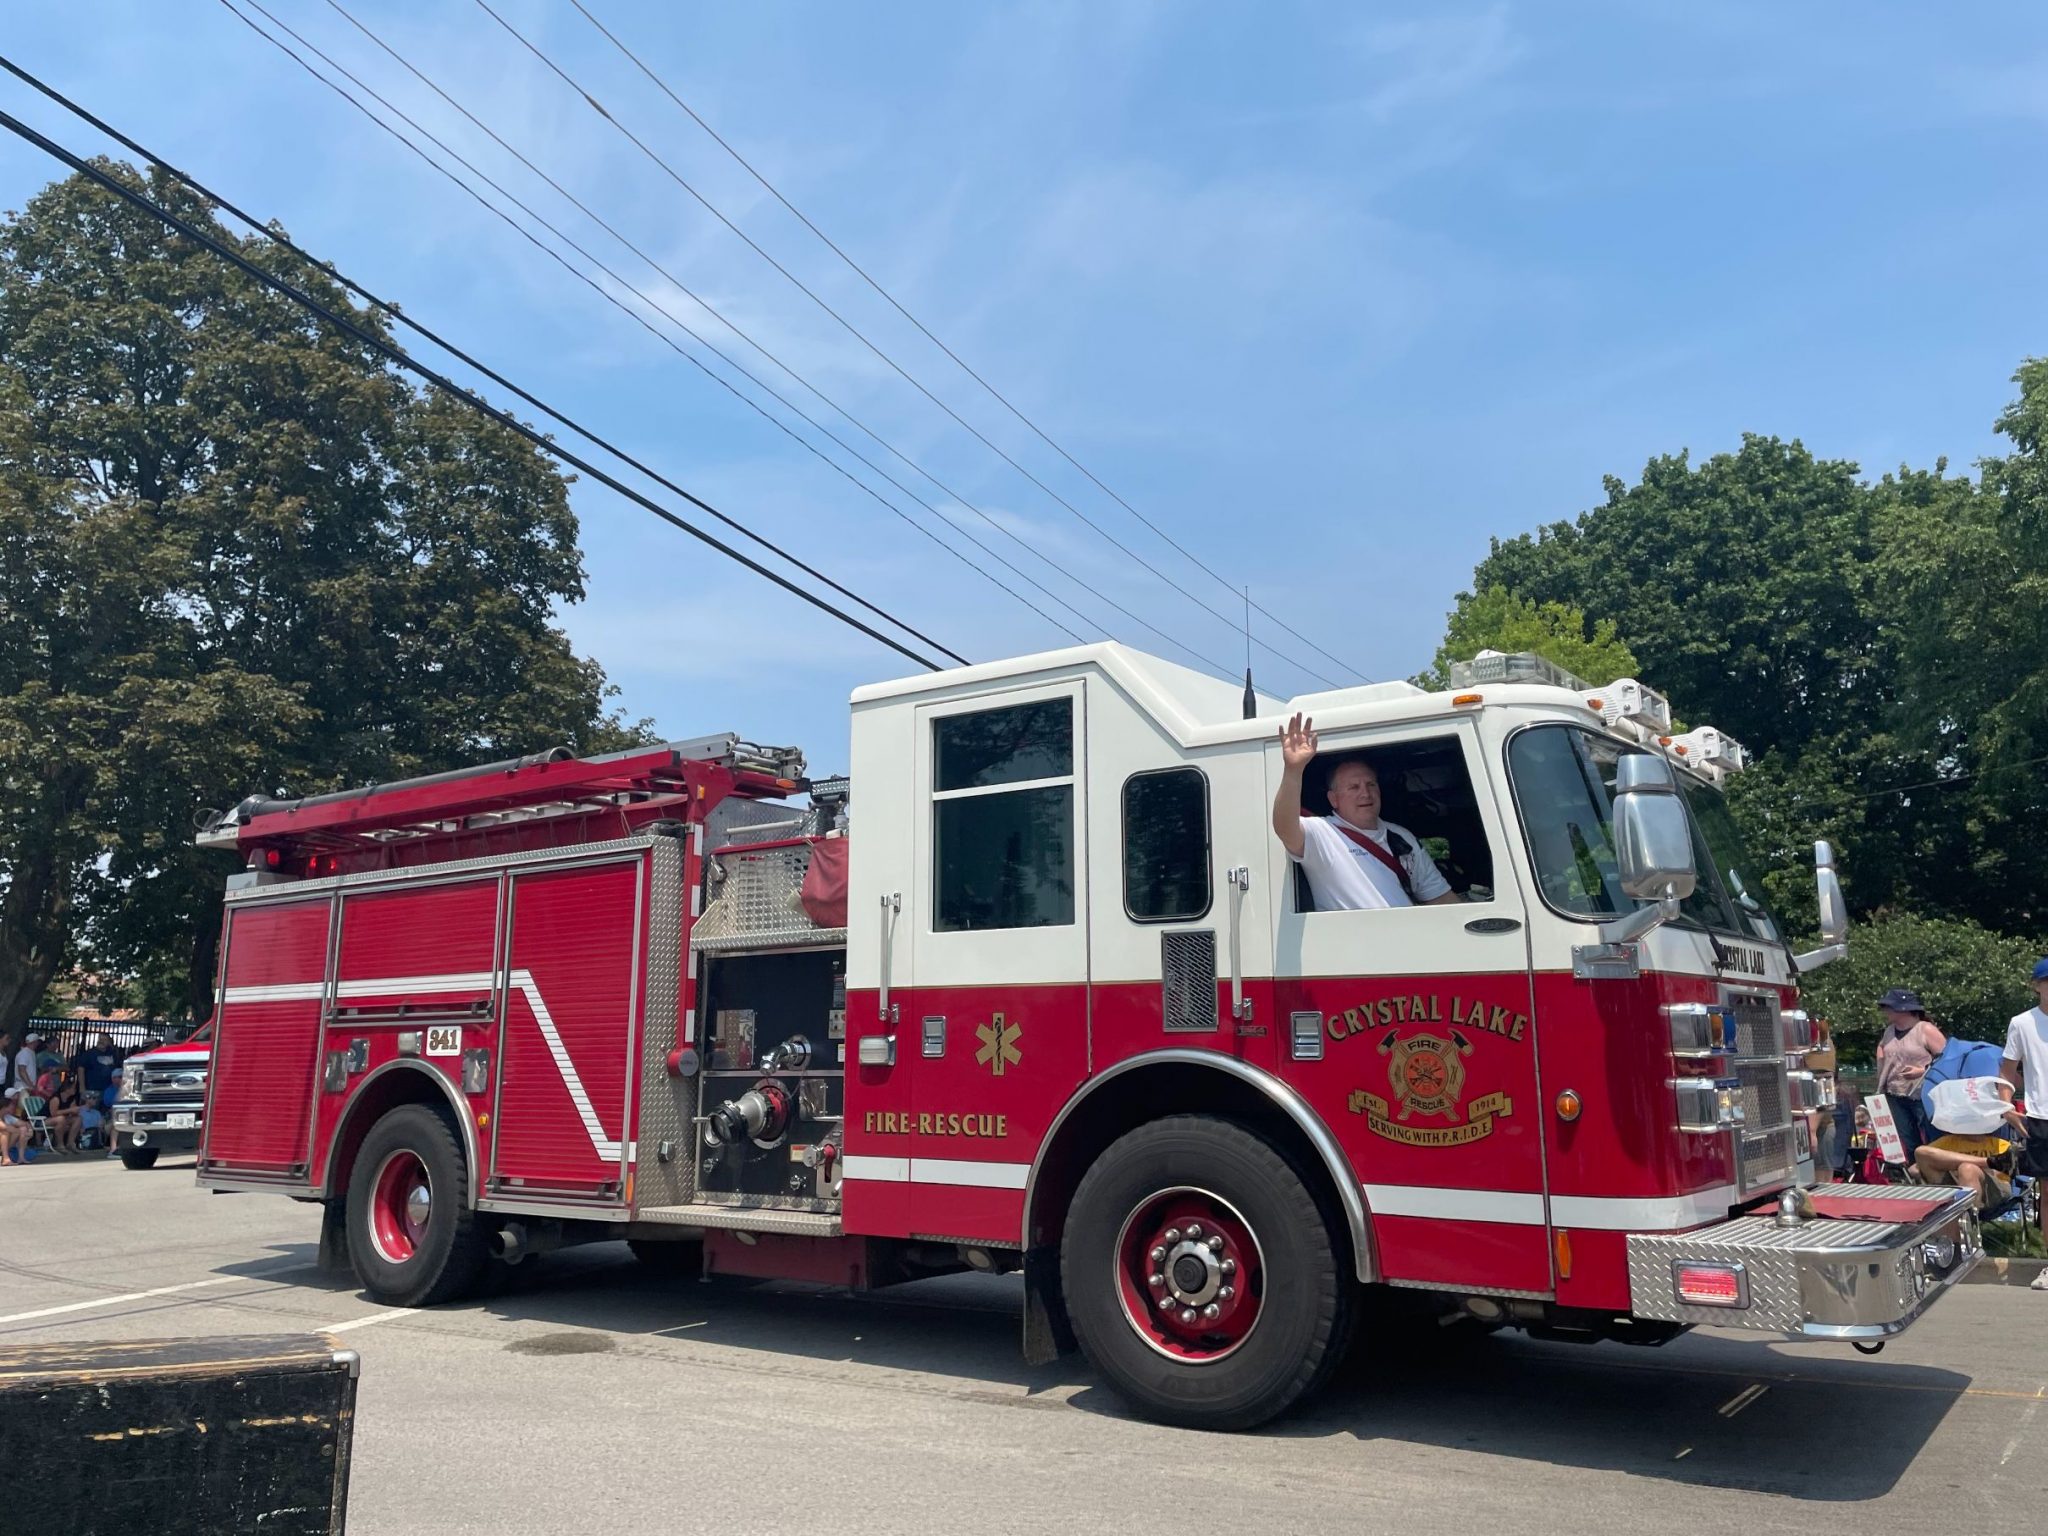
[(1345, 877), (25, 1065), (2026, 1042)]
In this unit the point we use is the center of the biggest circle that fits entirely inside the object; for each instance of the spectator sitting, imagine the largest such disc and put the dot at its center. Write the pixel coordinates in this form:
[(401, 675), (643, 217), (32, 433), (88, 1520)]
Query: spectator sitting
[(1981, 1163), (65, 1111), (14, 1127)]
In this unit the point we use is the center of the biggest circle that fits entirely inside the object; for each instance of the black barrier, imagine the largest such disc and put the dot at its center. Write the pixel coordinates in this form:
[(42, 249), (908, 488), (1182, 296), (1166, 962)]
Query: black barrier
[(66, 1037), (178, 1437)]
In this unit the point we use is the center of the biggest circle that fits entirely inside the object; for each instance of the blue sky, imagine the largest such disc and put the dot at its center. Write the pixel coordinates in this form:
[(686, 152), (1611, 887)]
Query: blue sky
[(1332, 293)]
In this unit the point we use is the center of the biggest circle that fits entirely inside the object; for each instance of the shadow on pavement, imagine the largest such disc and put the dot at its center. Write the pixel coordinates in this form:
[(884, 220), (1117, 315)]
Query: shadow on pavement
[(1704, 1411)]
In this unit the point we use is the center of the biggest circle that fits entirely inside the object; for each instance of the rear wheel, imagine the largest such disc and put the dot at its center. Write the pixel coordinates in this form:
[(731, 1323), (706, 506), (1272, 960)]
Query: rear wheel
[(1201, 1276), (140, 1158), (413, 1239)]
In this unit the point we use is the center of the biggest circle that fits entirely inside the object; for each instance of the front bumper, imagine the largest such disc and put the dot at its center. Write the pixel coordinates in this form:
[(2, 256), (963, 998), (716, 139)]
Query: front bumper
[(1826, 1278), (173, 1127)]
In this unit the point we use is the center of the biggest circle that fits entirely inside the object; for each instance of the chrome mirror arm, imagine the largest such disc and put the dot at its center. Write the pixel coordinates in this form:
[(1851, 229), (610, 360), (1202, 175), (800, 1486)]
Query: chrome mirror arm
[(1651, 915)]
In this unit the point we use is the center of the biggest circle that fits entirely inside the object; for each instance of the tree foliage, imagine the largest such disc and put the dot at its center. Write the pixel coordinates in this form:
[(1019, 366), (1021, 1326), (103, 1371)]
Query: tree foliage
[(1882, 646), (237, 552), (1972, 980), (1495, 618)]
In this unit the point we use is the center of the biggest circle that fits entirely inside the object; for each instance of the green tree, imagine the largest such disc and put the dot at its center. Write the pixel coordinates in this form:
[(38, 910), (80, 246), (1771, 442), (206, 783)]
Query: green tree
[(1972, 979), (236, 552), (1494, 618)]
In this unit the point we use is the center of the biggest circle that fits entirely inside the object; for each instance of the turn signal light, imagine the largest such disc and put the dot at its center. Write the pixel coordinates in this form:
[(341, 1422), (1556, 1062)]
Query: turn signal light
[(1710, 1285), (1459, 700), (1568, 1106)]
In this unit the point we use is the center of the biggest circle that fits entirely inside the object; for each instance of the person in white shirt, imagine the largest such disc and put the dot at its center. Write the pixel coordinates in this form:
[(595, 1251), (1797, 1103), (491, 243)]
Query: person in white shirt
[(1354, 860), (2025, 1066)]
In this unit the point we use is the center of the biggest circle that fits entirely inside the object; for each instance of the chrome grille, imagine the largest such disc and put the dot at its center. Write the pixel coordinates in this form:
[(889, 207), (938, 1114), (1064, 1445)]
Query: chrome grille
[(182, 1084), (1767, 1150), (1764, 1100), (1187, 966)]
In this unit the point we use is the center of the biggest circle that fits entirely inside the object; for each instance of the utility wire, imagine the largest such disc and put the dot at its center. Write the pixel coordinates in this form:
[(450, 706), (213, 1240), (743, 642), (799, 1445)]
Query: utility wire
[(852, 329), (403, 359), (271, 234), (704, 304), (642, 321), (773, 191)]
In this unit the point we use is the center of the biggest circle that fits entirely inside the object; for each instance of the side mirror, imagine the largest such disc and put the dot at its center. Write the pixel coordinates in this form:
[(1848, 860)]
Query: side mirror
[(1652, 838), (1834, 911), (1834, 914)]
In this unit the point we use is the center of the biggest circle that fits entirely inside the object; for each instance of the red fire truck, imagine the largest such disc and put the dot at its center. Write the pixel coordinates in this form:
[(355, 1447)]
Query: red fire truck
[(1038, 989)]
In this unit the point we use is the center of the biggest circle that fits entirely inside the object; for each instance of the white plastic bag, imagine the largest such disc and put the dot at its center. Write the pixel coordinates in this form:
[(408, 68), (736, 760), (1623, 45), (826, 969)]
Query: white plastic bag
[(1966, 1106)]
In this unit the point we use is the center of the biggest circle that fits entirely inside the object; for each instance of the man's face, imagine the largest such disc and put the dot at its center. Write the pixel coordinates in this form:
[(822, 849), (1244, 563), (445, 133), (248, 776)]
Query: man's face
[(2041, 992), (1355, 794)]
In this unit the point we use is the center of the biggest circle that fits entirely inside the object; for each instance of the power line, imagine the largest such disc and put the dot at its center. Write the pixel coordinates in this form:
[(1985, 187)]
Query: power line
[(856, 332), (681, 324), (641, 320), (449, 347), (773, 191), (403, 359)]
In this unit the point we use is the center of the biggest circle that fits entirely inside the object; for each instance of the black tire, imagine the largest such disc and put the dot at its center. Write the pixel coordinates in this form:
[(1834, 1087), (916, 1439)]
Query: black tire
[(445, 1258), (140, 1158), (1303, 1298)]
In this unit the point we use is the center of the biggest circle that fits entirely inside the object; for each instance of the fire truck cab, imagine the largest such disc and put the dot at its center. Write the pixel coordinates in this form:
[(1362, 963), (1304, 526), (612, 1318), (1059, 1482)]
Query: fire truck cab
[(1038, 988)]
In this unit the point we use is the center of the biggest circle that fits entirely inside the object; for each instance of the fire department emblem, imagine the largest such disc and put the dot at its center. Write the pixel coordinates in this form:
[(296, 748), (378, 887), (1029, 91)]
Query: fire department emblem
[(1427, 1075), (998, 1045)]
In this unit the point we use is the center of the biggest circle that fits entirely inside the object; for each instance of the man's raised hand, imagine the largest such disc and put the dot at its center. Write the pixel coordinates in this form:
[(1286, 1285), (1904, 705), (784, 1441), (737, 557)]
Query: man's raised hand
[(1298, 742)]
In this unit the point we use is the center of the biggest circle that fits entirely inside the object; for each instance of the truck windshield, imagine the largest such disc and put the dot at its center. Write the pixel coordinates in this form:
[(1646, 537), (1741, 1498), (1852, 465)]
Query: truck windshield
[(1564, 786)]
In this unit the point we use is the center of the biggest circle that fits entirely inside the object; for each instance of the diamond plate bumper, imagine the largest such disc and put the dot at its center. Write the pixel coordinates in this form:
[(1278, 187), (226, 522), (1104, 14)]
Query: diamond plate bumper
[(1824, 1278)]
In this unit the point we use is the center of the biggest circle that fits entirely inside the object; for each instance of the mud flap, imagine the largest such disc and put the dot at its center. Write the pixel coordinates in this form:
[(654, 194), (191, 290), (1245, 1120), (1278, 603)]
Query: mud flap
[(1047, 1333), (332, 1258)]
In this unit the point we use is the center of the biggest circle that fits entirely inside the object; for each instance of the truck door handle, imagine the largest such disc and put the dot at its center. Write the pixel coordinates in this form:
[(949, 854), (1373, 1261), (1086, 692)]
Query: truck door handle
[(892, 903), (1493, 925)]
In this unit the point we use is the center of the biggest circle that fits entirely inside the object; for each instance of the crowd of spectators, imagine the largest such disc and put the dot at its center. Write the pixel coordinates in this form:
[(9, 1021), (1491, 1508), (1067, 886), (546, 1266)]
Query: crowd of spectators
[(52, 1103)]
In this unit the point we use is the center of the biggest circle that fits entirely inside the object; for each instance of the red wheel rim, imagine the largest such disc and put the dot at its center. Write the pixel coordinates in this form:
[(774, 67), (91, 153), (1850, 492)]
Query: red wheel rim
[(401, 1205), (1190, 1274)]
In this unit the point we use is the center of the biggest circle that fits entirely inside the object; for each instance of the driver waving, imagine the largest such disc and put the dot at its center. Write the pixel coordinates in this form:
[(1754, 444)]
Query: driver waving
[(1354, 860)]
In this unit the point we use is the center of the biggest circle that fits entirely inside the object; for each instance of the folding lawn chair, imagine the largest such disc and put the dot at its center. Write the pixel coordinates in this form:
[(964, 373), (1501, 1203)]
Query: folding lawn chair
[(33, 1109)]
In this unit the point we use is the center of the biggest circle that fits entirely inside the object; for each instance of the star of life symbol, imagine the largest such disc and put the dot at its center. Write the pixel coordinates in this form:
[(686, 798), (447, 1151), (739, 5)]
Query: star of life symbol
[(998, 1045)]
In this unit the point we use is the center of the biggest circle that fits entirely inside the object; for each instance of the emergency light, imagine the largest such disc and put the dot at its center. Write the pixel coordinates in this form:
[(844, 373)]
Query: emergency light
[(1627, 699), (1521, 667), (1707, 745)]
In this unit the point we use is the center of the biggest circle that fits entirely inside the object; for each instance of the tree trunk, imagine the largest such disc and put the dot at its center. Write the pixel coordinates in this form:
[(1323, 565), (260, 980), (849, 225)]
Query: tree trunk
[(205, 957)]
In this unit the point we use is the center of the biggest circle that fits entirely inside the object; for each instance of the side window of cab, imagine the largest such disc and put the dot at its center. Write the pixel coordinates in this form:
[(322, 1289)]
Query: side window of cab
[(1427, 807)]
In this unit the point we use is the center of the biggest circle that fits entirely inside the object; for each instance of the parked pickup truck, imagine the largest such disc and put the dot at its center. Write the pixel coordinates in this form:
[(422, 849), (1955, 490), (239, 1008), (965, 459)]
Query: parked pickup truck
[(163, 1100)]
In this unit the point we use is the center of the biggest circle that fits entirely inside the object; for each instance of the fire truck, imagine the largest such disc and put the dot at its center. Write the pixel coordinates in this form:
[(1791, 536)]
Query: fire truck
[(1037, 989)]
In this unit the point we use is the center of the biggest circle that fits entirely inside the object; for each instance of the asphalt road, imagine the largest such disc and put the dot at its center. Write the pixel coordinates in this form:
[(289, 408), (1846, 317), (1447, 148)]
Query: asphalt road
[(588, 1395)]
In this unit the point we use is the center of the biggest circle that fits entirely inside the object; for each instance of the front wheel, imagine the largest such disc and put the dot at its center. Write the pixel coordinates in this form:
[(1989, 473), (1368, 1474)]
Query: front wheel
[(1201, 1276), (139, 1158), (413, 1238)]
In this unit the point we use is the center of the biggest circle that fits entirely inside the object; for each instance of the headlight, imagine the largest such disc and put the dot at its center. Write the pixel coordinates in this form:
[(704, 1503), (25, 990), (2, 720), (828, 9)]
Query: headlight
[(131, 1081)]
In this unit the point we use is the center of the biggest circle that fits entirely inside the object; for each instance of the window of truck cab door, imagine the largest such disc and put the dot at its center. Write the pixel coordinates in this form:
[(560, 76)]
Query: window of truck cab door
[(1433, 785), (1001, 838)]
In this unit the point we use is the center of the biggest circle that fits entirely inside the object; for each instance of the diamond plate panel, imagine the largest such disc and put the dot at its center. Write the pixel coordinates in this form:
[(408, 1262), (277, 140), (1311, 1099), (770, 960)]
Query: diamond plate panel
[(754, 905), (738, 1219), (667, 1104), (1187, 967)]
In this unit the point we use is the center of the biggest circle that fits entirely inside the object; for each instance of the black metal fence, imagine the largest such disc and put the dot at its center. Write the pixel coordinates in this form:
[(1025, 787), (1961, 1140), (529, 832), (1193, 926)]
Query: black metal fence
[(67, 1037)]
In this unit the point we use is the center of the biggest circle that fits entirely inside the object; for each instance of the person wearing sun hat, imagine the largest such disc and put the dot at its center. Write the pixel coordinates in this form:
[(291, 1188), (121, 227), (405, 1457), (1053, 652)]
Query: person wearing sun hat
[(2025, 1066), (1908, 1046)]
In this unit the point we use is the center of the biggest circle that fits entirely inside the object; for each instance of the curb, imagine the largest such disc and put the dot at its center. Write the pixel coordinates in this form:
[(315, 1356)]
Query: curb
[(1991, 1271)]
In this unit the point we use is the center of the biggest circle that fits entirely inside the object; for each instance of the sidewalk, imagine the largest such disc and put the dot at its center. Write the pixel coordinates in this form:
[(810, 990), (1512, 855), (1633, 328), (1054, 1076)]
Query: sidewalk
[(1990, 1271)]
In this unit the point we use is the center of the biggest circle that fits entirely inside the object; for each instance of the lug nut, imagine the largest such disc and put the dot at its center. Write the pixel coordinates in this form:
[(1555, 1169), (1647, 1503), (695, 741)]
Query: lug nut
[(1155, 1281), (1228, 1266), (1211, 1312), (1188, 1315), (1226, 1293), (1194, 1231), (1216, 1244), (1172, 1236), (1158, 1255)]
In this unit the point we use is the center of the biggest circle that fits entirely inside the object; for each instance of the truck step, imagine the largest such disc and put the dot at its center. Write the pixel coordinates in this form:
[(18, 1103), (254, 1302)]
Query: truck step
[(739, 1218)]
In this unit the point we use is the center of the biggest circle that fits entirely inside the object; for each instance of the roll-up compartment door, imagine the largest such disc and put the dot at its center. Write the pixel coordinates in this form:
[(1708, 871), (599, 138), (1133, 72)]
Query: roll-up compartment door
[(266, 1038), (570, 1027)]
